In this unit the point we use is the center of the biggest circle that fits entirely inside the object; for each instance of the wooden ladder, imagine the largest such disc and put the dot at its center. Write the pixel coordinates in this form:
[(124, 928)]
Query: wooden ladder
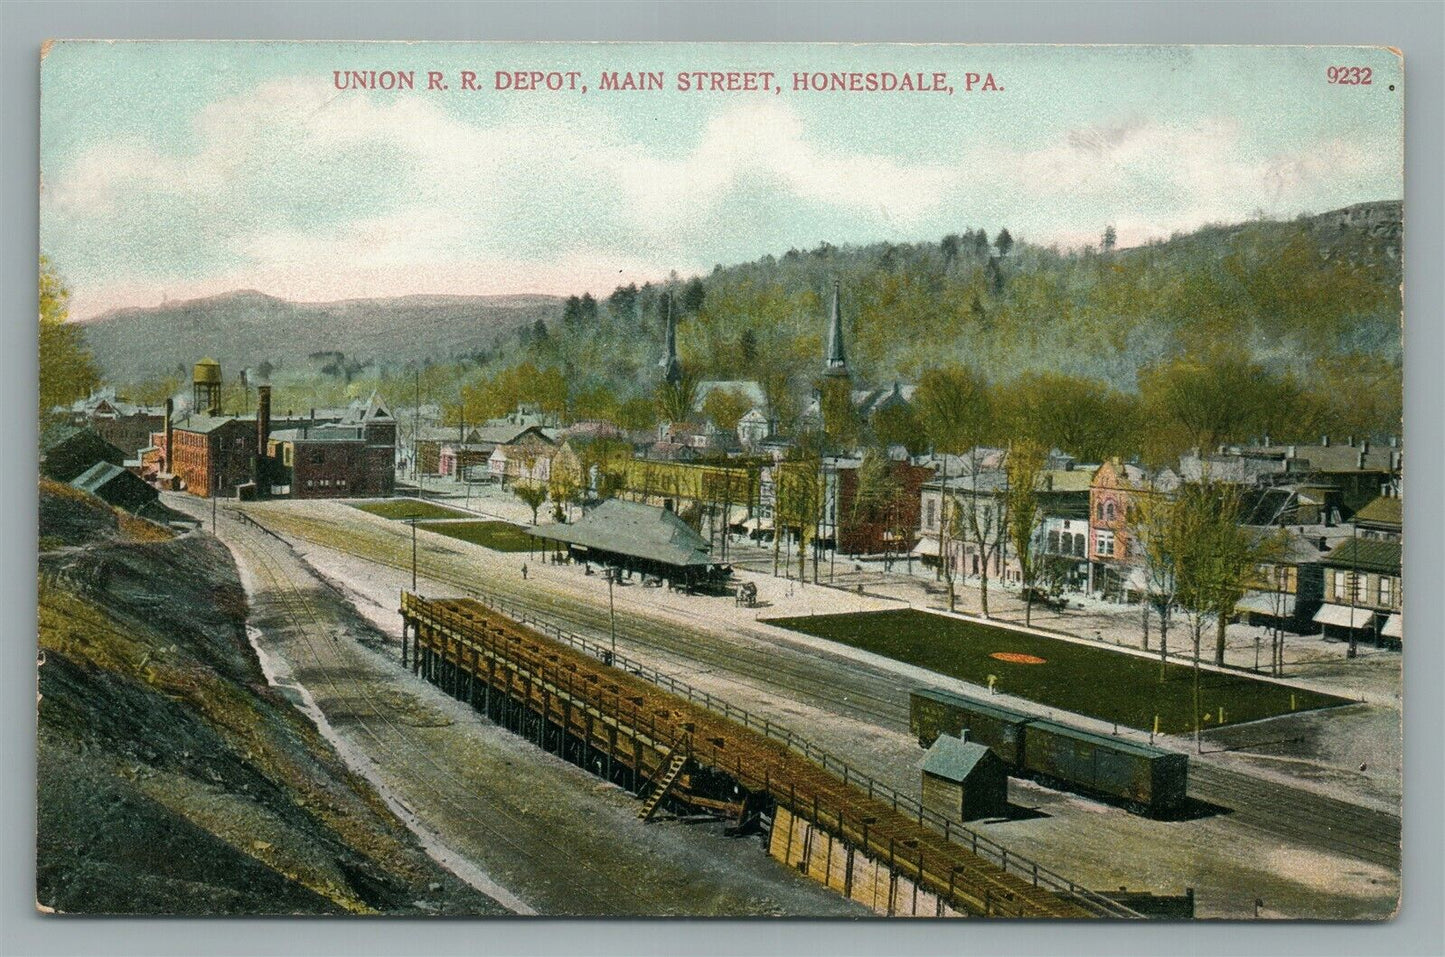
[(664, 784)]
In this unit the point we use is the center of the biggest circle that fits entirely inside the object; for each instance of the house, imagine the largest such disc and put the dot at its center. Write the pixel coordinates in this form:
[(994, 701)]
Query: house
[(1287, 591), (754, 428), (963, 780), (1362, 592), (528, 460), (963, 522), (1063, 534), (884, 525), (1382, 518), (116, 486), (126, 425), (429, 441), (67, 450), (1114, 559)]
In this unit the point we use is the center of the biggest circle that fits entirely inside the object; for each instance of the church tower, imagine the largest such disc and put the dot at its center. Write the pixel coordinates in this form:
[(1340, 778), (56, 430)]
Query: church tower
[(837, 364), (671, 368)]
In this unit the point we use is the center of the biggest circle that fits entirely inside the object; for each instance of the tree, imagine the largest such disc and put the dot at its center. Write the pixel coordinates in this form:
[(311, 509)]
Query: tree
[(532, 493), (67, 369), (1110, 238), (1213, 559), (953, 405), (748, 348), (1003, 242), (840, 415), (983, 518), (949, 247), (565, 485), (676, 401), (572, 312), (898, 424), (1025, 469), (724, 407), (1155, 533), (693, 296)]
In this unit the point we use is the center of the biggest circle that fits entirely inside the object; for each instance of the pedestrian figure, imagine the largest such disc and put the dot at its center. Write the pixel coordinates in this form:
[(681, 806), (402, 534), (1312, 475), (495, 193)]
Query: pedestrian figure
[(524, 571)]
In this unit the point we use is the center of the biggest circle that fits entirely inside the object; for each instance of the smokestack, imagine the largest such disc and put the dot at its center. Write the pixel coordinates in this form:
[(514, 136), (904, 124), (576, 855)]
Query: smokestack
[(263, 418), (170, 439)]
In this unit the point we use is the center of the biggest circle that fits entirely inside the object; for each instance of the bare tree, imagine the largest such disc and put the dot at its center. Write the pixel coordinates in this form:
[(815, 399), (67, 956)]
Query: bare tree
[(983, 517), (1025, 470)]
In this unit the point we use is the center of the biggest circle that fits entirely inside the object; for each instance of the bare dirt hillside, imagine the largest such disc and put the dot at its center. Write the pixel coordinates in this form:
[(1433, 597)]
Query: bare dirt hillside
[(172, 778)]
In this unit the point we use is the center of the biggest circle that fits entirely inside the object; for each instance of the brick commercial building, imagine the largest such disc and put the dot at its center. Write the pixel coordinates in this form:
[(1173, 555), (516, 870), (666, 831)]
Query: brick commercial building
[(353, 457)]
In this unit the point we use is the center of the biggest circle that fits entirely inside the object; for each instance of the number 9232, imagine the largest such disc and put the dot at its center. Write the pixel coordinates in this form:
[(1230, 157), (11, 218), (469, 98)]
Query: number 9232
[(1350, 75)]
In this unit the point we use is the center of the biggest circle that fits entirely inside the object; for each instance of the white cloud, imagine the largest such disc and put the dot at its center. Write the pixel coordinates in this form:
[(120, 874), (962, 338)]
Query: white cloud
[(302, 191)]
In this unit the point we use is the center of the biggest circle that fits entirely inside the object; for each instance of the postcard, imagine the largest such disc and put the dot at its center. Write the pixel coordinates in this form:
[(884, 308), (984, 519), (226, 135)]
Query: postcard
[(718, 480)]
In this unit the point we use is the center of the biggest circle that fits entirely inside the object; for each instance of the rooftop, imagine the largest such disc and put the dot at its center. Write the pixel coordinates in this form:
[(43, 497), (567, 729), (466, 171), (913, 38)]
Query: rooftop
[(1385, 510), (1366, 555), (954, 759), (635, 530)]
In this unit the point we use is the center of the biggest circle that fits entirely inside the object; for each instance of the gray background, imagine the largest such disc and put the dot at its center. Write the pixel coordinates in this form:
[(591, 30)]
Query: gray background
[(1417, 28)]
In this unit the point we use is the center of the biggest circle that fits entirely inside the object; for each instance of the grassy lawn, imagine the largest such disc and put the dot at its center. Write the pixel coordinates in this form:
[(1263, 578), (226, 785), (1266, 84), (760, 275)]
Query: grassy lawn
[(404, 508), (1072, 677), (498, 536)]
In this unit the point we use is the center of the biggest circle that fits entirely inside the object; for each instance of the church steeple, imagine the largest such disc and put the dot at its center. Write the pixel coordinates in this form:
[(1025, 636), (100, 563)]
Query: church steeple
[(837, 364), (671, 368)]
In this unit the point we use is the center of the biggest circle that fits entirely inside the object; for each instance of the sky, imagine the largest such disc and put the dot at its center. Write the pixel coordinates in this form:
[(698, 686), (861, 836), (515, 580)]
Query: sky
[(178, 170)]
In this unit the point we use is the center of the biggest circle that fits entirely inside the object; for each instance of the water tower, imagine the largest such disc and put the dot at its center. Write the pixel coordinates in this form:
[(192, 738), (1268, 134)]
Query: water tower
[(206, 387)]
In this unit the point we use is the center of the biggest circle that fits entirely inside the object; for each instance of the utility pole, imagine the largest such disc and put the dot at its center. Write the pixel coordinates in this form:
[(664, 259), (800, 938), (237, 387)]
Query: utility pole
[(612, 612), (413, 554), (415, 423)]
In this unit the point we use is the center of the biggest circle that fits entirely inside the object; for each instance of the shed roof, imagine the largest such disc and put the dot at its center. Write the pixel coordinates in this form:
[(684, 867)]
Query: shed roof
[(1384, 510), (635, 530), (954, 759)]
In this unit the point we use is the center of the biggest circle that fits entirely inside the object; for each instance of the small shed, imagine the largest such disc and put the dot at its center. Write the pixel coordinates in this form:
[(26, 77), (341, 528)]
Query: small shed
[(116, 486), (964, 780)]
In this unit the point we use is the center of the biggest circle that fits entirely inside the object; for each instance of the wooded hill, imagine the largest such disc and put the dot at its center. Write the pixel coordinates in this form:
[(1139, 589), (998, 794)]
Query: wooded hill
[(1316, 299)]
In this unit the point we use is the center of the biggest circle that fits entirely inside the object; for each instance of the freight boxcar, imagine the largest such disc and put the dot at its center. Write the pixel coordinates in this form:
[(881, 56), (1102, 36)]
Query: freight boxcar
[(933, 712), (1146, 779)]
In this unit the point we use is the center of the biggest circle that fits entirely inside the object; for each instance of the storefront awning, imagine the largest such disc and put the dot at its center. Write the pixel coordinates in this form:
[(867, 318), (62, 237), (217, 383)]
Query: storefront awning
[(1343, 616), (1394, 627), (926, 547), (1267, 603)]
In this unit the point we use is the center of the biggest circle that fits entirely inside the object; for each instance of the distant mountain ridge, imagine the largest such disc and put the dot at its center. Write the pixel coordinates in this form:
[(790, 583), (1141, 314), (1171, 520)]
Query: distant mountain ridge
[(246, 328)]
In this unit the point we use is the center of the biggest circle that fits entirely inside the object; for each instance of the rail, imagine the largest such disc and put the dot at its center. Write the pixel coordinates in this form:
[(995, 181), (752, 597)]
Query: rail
[(980, 844)]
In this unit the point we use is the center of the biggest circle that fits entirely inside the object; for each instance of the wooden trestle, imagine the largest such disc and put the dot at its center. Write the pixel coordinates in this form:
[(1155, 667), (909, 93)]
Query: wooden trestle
[(630, 730)]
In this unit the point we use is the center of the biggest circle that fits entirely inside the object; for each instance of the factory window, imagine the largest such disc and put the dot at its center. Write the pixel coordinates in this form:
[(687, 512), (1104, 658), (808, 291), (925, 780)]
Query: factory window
[(316, 457), (309, 483)]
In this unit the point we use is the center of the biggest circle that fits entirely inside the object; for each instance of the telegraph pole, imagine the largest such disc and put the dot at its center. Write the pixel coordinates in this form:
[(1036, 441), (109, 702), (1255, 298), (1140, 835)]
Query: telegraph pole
[(413, 555), (612, 612)]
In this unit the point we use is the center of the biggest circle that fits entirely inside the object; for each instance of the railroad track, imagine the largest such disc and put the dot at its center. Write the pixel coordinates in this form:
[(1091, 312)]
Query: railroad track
[(1292, 814), (438, 781)]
